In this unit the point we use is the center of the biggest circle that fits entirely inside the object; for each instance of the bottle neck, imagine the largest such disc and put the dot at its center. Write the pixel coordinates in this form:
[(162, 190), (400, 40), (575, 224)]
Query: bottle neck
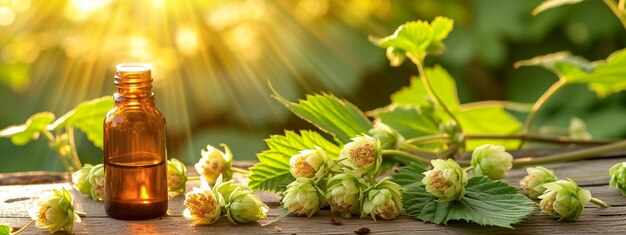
[(134, 83)]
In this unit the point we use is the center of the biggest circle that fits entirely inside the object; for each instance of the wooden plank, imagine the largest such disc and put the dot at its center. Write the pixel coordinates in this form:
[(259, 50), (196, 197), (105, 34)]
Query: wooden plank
[(591, 174)]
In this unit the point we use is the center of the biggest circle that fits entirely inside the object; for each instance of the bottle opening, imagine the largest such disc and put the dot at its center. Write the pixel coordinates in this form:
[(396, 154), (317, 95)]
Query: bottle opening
[(133, 67)]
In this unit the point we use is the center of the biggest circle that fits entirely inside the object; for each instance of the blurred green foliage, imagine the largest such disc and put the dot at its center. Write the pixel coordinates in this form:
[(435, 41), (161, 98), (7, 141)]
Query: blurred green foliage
[(327, 50)]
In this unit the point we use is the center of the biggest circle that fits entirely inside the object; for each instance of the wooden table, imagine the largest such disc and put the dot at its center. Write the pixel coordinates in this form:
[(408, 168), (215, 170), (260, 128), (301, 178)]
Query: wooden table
[(590, 174)]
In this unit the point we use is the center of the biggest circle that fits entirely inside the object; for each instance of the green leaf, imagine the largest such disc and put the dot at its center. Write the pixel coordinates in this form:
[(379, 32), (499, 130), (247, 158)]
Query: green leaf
[(335, 116), (604, 76), (409, 176), (442, 83), (409, 121), (548, 4), (486, 202), (89, 117), (24, 133), (561, 63), (272, 171), (417, 38), (5, 229), (488, 119)]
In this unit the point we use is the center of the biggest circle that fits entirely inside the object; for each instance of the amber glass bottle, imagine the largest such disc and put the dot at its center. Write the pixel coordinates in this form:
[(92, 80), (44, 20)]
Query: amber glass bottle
[(134, 148)]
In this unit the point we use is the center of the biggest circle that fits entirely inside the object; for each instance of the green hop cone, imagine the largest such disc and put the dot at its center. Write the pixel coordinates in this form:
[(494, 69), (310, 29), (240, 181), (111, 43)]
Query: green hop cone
[(176, 177), (80, 180), (201, 206), (96, 179), (382, 200), (214, 163), (224, 189), (310, 163), (363, 155), (446, 180), (344, 192), (303, 197), (532, 184), (578, 130), (54, 211), (618, 177), (491, 161), (564, 199), (245, 207), (388, 137)]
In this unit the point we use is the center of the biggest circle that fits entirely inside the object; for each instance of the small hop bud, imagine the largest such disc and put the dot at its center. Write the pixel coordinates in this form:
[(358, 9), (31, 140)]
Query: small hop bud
[(96, 179), (176, 177), (532, 184), (618, 177), (245, 207), (564, 199), (202, 206), (382, 200), (491, 161), (363, 155), (446, 180), (344, 192), (214, 163), (578, 130), (387, 136), (310, 163), (303, 197), (80, 180), (54, 211), (452, 129)]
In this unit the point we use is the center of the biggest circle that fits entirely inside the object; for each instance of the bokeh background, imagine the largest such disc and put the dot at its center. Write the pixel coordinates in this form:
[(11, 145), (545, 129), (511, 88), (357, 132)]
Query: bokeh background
[(213, 61)]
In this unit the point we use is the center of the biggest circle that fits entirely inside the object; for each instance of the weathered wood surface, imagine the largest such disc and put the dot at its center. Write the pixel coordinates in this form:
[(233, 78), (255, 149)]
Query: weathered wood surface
[(590, 174)]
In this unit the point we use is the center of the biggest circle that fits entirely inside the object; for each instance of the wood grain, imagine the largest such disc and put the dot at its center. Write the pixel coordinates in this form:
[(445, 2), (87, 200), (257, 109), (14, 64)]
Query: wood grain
[(590, 174)]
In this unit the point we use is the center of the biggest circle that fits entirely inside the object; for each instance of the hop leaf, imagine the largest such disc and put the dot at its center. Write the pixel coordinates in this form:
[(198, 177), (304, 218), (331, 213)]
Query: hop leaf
[(416, 38), (54, 211), (24, 133)]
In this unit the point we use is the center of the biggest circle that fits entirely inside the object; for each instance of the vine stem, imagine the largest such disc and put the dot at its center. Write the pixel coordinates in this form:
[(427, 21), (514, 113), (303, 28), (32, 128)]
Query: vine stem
[(617, 10), (64, 160), (240, 171), (406, 155), (539, 138), (589, 153), (428, 138), (24, 227), (593, 152), (70, 137), (539, 104), (598, 202), (431, 92)]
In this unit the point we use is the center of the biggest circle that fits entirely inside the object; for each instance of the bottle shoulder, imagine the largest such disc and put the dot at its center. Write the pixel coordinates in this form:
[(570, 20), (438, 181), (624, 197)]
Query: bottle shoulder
[(134, 114)]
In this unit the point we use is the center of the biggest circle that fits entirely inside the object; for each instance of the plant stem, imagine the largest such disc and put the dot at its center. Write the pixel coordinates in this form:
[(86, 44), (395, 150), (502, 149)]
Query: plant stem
[(427, 139), (70, 138), (516, 106), (406, 155), (190, 178), (617, 10), (23, 228), (415, 149), (81, 214), (431, 92), (240, 171), (593, 152), (598, 202), (539, 138), (537, 106)]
